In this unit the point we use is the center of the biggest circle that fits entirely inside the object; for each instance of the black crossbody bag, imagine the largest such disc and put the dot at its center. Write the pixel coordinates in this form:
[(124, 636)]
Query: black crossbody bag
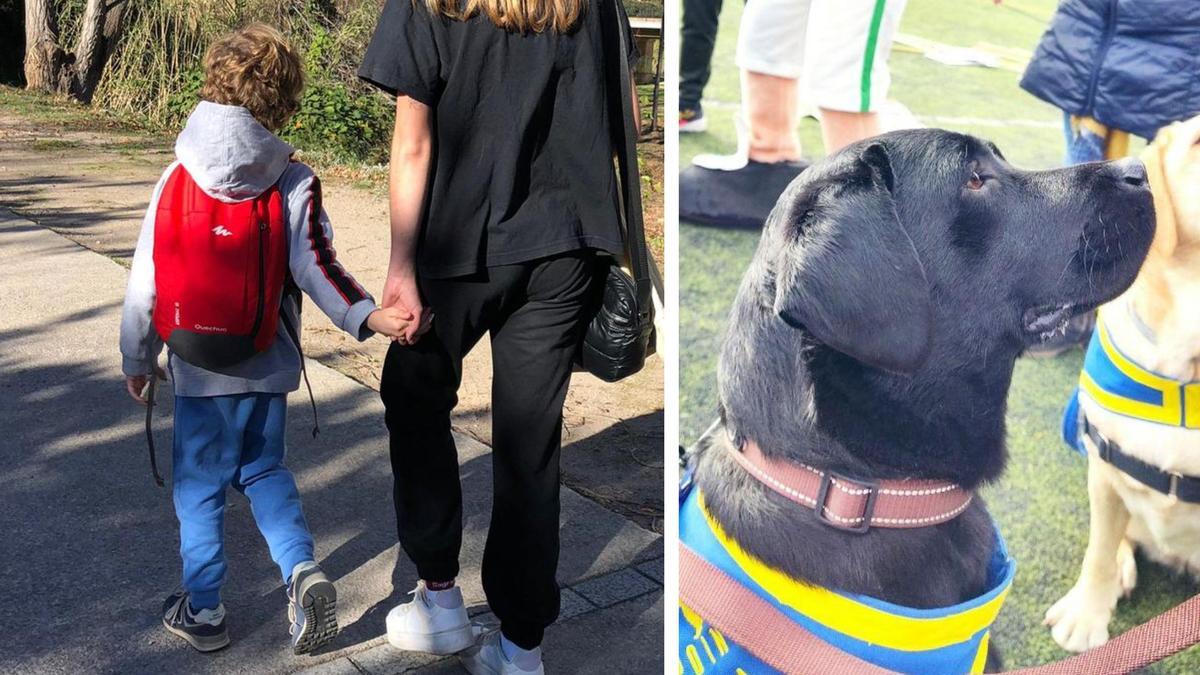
[(619, 335)]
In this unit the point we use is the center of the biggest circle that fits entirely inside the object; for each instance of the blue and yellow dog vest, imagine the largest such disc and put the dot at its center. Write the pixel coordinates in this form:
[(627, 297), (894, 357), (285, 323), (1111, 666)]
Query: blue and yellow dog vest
[(948, 640), (1120, 385)]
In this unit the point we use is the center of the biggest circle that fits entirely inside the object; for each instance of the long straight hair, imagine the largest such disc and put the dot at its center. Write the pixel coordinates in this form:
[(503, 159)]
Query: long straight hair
[(519, 16)]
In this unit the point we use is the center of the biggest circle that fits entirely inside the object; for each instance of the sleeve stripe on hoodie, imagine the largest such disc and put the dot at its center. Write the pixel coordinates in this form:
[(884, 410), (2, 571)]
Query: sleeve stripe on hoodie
[(326, 256)]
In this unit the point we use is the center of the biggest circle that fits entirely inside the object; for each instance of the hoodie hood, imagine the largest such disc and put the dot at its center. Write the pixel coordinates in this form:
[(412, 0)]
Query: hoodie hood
[(229, 154)]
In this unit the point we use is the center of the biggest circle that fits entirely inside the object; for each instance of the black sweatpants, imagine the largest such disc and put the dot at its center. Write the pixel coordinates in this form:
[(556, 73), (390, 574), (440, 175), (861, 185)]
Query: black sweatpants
[(535, 315), (698, 38)]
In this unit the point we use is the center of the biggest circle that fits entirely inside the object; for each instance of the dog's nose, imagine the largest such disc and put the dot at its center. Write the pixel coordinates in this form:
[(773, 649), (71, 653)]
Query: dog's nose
[(1132, 171)]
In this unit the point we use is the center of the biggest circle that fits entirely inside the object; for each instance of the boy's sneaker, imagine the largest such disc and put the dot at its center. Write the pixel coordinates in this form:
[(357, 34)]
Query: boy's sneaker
[(312, 608), (692, 120), (204, 630), (425, 626), (487, 658)]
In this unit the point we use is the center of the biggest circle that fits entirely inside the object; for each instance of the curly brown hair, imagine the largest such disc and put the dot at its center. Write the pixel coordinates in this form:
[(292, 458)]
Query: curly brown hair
[(255, 67)]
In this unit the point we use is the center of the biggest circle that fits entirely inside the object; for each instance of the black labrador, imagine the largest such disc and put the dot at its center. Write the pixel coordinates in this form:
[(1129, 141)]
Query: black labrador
[(874, 334)]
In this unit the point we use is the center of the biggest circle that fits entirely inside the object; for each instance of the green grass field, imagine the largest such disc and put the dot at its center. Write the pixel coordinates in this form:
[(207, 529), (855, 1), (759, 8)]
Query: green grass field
[(1041, 503)]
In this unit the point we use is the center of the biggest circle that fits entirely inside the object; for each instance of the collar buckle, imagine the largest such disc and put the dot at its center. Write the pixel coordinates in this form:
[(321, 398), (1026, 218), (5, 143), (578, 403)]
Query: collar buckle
[(826, 516), (1173, 488)]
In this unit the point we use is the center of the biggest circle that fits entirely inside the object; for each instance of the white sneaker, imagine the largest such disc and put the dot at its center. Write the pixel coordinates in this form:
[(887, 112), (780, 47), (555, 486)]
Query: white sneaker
[(424, 626), (488, 659)]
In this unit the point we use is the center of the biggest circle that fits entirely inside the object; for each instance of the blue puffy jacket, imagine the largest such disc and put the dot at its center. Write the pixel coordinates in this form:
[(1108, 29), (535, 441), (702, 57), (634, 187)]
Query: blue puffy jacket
[(1129, 64)]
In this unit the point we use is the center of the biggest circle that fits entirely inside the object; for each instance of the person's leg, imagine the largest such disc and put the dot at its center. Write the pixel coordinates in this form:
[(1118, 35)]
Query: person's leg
[(840, 128), (846, 65), (1085, 140), (698, 36), (206, 448), (772, 106), (269, 485), (419, 388), (204, 458), (532, 354), (275, 503), (770, 54), (740, 190)]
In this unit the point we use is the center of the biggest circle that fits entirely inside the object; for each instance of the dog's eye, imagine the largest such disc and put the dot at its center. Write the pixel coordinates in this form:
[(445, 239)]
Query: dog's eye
[(976, 181)]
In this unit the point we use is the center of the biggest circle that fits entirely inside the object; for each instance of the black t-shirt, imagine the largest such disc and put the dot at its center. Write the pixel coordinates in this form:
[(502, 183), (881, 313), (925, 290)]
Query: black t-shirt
[(523, 158)]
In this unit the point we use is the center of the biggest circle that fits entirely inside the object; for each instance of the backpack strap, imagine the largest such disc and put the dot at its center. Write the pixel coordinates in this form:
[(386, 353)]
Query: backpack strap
[(295, 335)]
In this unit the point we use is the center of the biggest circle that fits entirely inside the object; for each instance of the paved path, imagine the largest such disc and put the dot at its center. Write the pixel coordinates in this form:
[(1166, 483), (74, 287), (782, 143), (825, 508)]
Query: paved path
[(89, 542)]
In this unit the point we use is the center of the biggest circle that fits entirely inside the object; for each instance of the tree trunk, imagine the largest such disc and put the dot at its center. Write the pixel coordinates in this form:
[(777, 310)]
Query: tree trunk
[(43, 57), (90, 52)]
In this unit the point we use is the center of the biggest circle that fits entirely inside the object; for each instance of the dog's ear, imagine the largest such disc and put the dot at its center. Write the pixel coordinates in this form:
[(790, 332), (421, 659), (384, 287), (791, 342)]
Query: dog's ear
[(850, 273), (1166, 235)]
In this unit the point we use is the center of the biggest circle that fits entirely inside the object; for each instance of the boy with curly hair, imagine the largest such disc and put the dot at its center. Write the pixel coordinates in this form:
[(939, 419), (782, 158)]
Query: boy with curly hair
[(230, 421)]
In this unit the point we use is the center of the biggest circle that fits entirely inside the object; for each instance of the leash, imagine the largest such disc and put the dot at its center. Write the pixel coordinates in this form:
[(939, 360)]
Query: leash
[(158, 479), (773, 638)]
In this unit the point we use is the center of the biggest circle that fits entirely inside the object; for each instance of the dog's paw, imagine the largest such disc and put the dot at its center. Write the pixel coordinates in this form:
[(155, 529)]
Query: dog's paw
[(1126, 567), (1078, 621)]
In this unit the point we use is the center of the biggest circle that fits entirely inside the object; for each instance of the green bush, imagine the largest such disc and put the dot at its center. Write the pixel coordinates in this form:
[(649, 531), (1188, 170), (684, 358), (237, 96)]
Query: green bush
[(156, 74), (335, 116), (333, 120)]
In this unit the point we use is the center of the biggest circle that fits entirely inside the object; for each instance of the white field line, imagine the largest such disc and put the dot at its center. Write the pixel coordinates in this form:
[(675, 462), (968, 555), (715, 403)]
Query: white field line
[(934, 120)]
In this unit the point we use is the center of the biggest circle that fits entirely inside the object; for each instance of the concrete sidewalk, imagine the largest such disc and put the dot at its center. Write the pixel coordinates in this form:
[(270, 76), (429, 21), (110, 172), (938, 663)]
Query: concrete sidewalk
[(91, 546)]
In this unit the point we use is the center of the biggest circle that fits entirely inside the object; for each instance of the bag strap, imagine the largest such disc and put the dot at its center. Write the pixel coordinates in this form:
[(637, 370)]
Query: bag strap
[(625, 137), (158, 479), (776, 640)]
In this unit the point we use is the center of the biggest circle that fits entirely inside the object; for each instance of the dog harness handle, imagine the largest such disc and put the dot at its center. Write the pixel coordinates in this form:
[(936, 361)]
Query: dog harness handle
[(854, 504), (752, 622), (764, 631)]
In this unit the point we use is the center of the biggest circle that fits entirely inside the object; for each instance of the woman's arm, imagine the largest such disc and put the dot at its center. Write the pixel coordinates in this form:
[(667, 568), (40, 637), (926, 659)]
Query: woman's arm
[(412, 148)]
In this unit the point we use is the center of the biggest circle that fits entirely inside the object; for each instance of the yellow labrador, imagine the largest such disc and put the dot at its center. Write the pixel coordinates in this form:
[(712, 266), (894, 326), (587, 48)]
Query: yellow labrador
[(1156, 325)]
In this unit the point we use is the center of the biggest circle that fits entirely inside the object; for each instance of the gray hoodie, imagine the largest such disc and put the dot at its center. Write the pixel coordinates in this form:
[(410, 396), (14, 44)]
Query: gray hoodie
[(233, 158)]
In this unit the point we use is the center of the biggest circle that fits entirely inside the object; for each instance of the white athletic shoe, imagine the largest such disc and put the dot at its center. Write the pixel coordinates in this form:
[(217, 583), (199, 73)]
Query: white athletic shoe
[(487, 658), (424, 626)]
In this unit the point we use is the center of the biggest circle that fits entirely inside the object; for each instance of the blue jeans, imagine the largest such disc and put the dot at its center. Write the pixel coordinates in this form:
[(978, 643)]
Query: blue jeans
[(1082, 146), (233, 440)]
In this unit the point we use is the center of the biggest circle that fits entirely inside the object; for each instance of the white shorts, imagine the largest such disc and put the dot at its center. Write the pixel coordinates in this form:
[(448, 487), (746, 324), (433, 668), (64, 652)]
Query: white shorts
[(838, 49)]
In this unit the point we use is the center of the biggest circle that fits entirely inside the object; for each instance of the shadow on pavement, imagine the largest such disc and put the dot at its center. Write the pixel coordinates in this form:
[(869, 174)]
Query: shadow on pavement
[(91, 542)]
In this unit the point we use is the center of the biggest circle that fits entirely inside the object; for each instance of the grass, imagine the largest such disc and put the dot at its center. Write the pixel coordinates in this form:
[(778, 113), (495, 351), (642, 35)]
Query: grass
[(1041, 503), (61, 112)]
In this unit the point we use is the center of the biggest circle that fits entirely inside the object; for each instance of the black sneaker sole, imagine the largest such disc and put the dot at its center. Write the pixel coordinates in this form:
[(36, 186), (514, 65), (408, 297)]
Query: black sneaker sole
[(200, 643), (320, 617)]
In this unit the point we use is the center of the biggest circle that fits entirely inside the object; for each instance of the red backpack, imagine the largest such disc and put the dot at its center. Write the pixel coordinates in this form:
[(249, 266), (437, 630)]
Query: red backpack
[(219, 270)]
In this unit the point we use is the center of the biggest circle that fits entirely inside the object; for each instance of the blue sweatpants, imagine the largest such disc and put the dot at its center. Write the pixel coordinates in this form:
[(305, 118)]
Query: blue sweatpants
[(233, 440)]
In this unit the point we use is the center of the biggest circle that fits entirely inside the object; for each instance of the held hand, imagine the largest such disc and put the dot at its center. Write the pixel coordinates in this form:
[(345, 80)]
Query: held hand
[(400, 291), (135, 385), (390, 321)]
